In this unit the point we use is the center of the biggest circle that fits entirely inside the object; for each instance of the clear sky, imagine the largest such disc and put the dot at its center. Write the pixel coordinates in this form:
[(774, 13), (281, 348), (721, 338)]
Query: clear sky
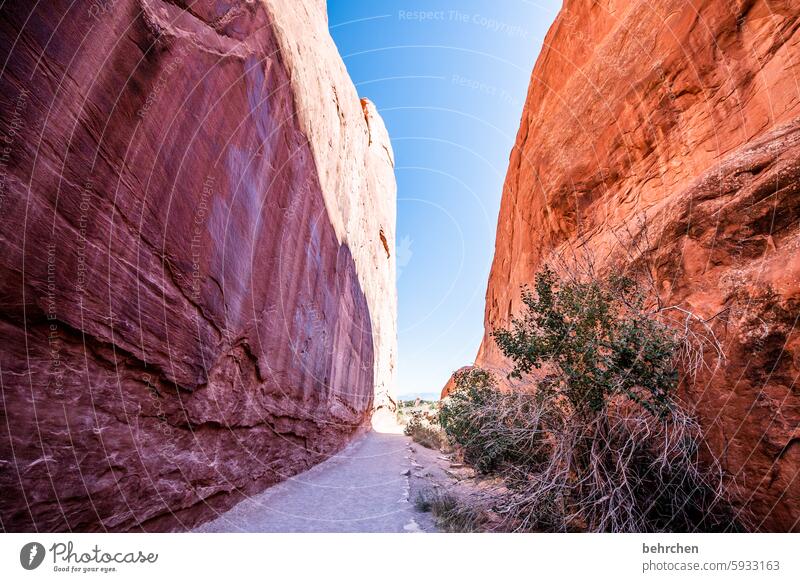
[(449, 78)]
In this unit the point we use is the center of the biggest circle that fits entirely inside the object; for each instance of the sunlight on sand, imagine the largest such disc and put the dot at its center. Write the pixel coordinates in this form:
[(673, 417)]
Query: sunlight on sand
[(384, 421)]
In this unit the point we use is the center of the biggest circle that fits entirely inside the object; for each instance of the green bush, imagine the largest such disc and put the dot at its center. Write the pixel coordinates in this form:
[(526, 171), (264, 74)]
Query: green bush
[(492, 428), (592, 340), (599, 442)]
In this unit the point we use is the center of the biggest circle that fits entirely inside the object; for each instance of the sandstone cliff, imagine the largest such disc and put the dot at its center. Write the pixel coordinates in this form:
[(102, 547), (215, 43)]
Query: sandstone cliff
[(197, 289), (687, 115)]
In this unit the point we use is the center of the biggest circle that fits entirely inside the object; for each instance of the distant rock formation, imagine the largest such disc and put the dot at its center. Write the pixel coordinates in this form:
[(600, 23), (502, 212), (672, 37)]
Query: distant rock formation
[(197, 272), (684, 118)]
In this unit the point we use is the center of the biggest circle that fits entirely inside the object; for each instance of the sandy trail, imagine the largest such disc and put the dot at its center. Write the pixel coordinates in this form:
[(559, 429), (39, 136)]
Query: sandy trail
[(364, 488)]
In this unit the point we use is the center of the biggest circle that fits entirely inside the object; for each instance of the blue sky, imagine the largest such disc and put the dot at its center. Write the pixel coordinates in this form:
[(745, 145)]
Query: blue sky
[(449, 78)]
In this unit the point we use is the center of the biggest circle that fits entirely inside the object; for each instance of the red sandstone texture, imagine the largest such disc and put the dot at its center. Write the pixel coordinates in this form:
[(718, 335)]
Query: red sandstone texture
[(197, 294), (684, 117)]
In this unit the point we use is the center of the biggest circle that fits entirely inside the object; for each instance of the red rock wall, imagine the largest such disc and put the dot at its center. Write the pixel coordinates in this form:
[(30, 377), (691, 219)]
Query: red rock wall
[(688, 114), (195, 301)]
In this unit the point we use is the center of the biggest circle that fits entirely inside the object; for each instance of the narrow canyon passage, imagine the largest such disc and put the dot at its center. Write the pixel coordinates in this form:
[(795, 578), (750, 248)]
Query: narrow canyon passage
[(364, 488), (205, 222)]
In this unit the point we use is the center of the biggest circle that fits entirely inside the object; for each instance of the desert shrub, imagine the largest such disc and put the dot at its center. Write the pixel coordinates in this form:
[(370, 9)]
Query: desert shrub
[(490, 427), (594, 339), (625, 470), (600, 443), (423, 428), (423, 502), (452, 515)]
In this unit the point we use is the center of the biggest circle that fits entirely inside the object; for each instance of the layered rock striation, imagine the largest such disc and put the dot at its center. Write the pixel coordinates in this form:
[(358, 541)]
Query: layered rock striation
[(197, 289), (667, 133)]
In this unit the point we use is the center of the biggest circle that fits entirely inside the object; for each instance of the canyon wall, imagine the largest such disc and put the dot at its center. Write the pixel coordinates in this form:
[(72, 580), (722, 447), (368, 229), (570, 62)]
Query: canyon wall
[(197, 288), (667, 133)]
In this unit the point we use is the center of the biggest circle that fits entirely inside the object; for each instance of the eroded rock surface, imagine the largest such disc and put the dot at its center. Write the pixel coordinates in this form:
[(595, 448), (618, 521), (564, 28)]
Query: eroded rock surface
[(197, 294), (676, 126)]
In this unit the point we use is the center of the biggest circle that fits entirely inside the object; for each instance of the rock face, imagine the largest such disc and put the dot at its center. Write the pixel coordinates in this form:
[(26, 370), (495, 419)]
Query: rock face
[(197, 289), (674, 128)]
